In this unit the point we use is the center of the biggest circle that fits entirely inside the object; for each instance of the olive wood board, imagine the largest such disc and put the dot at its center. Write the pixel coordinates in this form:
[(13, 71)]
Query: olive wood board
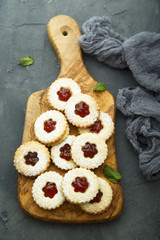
[(63, 33)]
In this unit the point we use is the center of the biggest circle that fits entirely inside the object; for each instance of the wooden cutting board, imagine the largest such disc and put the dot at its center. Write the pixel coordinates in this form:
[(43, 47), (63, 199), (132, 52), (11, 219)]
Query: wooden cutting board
[(63, 34)]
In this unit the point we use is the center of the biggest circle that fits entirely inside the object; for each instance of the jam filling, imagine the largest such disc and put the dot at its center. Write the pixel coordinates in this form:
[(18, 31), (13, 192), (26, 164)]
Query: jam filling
[(65, 152), (97, 198), (80, 184), (50, 189), (89, 150), (96, 127), (49, 125), (31, 158), (64, 94), (82, 109)]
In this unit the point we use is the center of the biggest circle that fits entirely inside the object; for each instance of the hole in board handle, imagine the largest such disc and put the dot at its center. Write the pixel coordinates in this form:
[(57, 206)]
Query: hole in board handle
[(65, 33)]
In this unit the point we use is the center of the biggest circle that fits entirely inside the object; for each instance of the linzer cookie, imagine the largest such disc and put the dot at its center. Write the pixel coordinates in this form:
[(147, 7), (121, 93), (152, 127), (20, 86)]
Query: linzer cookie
[(61, 154), (31, 158), (47, 190), (50, 127), (102, 200), (89, 150), (82, 110), (104, 126), (80, 185), (60, 92)]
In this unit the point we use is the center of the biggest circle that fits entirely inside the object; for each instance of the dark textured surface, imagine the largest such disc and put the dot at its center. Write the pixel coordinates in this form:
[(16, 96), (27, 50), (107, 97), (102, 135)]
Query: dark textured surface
[(23, 33)]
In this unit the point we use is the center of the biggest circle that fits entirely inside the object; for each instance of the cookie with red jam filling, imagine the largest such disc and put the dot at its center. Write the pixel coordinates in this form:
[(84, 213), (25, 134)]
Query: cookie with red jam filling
[(61, 154), (89, 150), (50, 127), (82, 110), (80, 185), (60, 92), (101, 201), (31, 158), (47, 190), (103, 127)]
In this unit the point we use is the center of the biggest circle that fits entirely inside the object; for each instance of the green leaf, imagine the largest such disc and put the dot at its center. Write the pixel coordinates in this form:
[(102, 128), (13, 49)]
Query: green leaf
[(99, 87), (26, 61), (111, 174), (113, 180)]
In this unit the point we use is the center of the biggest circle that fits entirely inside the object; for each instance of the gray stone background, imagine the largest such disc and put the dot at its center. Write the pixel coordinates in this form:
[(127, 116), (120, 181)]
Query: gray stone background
[(23, 33)]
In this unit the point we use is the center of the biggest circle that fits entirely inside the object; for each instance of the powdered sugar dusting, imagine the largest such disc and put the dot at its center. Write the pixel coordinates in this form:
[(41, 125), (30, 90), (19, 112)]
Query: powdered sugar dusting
[(78, 155), (55, 155), (61, 125), (65, 135), (40, 166), (78, 197), (108, 126), (105, 202), (38, 194), (76, 119), (55, 87)]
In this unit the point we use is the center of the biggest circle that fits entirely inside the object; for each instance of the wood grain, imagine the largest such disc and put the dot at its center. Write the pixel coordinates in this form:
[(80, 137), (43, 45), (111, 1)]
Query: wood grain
[(63, 34)]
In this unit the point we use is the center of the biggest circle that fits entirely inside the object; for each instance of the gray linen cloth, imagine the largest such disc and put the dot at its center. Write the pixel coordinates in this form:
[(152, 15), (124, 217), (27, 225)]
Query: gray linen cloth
[(141, 105), (142, 127)]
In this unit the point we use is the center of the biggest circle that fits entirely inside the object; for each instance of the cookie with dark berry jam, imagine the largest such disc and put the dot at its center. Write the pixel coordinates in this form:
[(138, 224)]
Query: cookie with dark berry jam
[(61, 154), (32, 158), (89, 150)]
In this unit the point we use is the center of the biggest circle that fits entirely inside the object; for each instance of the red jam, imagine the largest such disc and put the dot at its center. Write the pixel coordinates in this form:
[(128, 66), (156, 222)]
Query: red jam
[(80, 184), (49, 125), (96, 127), (82, 109), (31, 158), (64, 94), (65, 152), (89, 150), (50, 189), (97, 198)]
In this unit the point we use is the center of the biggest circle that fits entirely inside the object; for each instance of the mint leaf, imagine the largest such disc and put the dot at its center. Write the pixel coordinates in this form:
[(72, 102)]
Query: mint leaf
[(113, 180), (111, 174), (26, 61), (99, 87)]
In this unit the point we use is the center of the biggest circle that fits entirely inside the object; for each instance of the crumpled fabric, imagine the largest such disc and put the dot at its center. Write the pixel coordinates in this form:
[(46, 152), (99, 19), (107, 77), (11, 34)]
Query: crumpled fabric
[(100, 40), (141, 105), (141, 52), (142, 127), (138, 101), (144, 135)]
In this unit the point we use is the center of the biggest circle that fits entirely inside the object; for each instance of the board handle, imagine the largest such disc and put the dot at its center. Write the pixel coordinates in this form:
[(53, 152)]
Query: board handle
[(63, 33)]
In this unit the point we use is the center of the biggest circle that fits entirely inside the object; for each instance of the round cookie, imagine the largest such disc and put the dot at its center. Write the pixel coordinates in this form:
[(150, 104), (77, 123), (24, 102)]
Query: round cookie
[(60, 91), (50, 126), (104, 126), (47, 190), (80, 185), (82, 110), (31, 158), (61, 155), (102, 200), (89, 150)]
